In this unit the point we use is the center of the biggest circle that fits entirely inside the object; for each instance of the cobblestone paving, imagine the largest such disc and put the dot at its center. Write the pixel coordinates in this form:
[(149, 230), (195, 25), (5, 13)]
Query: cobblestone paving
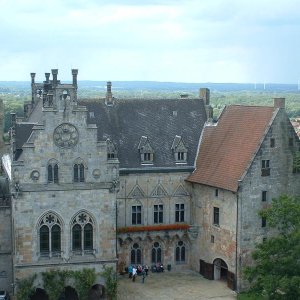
[(187, 285)]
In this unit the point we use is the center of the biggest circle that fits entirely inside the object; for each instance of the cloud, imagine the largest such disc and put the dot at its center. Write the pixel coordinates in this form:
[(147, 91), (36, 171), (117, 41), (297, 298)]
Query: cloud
[(190, 40)]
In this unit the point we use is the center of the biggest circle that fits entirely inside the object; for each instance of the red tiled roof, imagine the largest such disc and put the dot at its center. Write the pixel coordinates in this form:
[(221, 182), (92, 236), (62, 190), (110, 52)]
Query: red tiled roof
[(227, 148)]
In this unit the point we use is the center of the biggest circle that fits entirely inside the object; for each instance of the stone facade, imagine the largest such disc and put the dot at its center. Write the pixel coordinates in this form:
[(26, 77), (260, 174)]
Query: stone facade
[(107, 183)]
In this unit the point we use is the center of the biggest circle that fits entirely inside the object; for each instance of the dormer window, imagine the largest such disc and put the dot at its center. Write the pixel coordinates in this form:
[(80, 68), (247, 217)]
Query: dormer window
[(179, 150), (146, 151), (111, 150)]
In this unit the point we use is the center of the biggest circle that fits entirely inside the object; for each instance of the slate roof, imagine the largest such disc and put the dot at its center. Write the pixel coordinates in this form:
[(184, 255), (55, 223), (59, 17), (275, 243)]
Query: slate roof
[(227, 148), (160, 120), (22, 131)]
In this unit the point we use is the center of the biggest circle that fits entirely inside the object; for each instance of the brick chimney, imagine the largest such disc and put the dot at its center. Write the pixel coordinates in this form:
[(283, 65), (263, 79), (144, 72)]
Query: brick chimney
[(74, 74), (109, 97), (205, 95), (54, 76), (279, 103)]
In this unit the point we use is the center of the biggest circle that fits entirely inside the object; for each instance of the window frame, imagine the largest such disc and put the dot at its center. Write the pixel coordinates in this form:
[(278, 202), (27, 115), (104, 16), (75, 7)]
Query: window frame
[(216, 216), (136, 214), (158, 214), (179, 212), (265, 167)]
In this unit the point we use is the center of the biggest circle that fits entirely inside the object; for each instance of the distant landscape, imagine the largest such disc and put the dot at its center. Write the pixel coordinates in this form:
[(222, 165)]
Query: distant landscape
[(14, 93)]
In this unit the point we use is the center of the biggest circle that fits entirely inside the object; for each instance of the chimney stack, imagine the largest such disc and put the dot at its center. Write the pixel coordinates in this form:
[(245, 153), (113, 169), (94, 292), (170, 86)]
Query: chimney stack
[(109, 97), (47, 75), (32, 78), (74, 74), (54, 76), (205, 95), (279, 103)]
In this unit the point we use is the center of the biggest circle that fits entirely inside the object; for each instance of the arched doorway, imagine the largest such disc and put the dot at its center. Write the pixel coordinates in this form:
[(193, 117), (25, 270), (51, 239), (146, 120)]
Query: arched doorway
[(40, 294), (68, 293), (96, 292), (220, 269)]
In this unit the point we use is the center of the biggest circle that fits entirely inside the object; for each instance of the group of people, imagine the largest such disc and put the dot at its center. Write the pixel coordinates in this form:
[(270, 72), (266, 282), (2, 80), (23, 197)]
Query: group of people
[(133, 271)]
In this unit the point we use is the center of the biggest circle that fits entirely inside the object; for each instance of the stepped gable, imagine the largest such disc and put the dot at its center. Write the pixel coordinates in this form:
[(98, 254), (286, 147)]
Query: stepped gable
[(160, 120), (228, 147)]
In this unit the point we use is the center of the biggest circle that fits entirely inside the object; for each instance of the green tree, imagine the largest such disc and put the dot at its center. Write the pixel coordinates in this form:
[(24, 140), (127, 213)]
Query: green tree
[(276, 273), (111, 282)]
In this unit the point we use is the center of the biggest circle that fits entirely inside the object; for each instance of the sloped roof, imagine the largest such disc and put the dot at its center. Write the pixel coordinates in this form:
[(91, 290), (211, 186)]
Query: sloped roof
[(227, 148), (160, 120)]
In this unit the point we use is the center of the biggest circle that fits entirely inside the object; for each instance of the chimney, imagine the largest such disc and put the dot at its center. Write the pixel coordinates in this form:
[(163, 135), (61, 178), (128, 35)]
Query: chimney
[(279, 103), (109, 97), (205, 95), (54, 76), (32, 78), (47, 75), (74, 74)]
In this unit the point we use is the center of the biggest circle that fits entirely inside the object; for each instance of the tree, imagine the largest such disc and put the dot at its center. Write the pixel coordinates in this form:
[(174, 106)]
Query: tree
[(276, 273)]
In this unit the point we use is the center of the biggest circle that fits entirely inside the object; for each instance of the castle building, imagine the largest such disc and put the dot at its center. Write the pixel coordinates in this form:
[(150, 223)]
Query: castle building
[(96, 182)]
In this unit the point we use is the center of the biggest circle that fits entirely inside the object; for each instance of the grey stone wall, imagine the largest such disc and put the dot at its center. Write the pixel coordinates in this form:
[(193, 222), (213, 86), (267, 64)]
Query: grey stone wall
[(281, 181)]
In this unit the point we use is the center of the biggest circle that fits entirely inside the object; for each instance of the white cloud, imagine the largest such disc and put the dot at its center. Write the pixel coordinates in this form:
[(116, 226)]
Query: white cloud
[(190, 40)]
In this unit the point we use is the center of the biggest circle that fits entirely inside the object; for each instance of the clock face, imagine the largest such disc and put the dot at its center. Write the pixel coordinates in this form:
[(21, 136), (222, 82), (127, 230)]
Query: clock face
[(65, 135)]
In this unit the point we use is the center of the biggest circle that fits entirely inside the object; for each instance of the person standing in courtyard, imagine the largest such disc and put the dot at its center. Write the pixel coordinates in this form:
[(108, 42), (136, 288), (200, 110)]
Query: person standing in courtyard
[(133, 273)]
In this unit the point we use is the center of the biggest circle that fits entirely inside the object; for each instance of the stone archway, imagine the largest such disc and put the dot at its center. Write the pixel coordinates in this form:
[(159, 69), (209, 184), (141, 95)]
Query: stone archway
[(220, 269), (40, 294), (68, 293), (96, 292)]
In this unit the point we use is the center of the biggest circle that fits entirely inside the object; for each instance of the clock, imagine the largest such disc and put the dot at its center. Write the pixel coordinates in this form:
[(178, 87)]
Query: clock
[(65, 135)]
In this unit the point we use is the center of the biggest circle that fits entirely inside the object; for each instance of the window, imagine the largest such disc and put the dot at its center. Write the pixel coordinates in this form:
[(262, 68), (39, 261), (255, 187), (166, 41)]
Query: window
[(136, 214), (212, 239), (158, 214), (264, 196), (180, 252), (156, 253), (180, 156), (272, 142), (265, 168), (216, 193), (79, 172), (179, 213), (111, 150), (263, 222), (291, 142), (50, 235), (82, 234), (136, 254), (216, 220), (52, 171), (147, 157)]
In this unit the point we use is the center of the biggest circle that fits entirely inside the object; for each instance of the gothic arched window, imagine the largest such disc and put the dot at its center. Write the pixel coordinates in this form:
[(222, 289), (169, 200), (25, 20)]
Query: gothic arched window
[(50, 235), (180, 252), (78, 171), (52, 171), (156, 256), (82, 233), (136, 254)]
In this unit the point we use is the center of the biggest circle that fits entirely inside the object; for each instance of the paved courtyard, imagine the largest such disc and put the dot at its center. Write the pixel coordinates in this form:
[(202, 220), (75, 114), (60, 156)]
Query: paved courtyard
[(186, 285)]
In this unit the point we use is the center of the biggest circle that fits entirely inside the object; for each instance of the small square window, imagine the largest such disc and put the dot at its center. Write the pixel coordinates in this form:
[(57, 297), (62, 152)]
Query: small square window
[(263, 222), (265, 167), (264, 196), (212, 238), (272, 142)]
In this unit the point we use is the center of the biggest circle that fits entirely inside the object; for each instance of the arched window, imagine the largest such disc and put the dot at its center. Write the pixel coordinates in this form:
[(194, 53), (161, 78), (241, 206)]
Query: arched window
[(78, 170), (50, 235), (180, 252), (82, 234), (52, 171), (136, 254), (156, 256)]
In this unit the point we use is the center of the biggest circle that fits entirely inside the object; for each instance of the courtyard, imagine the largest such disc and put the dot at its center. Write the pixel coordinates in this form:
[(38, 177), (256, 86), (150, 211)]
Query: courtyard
[(173, 285)]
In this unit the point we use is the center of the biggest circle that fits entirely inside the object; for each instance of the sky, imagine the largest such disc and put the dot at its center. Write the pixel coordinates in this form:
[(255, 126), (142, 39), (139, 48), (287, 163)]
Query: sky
[(240, 41)]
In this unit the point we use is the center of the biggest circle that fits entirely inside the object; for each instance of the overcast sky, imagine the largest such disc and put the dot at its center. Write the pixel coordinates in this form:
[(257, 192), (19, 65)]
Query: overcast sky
[(160, 40)]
